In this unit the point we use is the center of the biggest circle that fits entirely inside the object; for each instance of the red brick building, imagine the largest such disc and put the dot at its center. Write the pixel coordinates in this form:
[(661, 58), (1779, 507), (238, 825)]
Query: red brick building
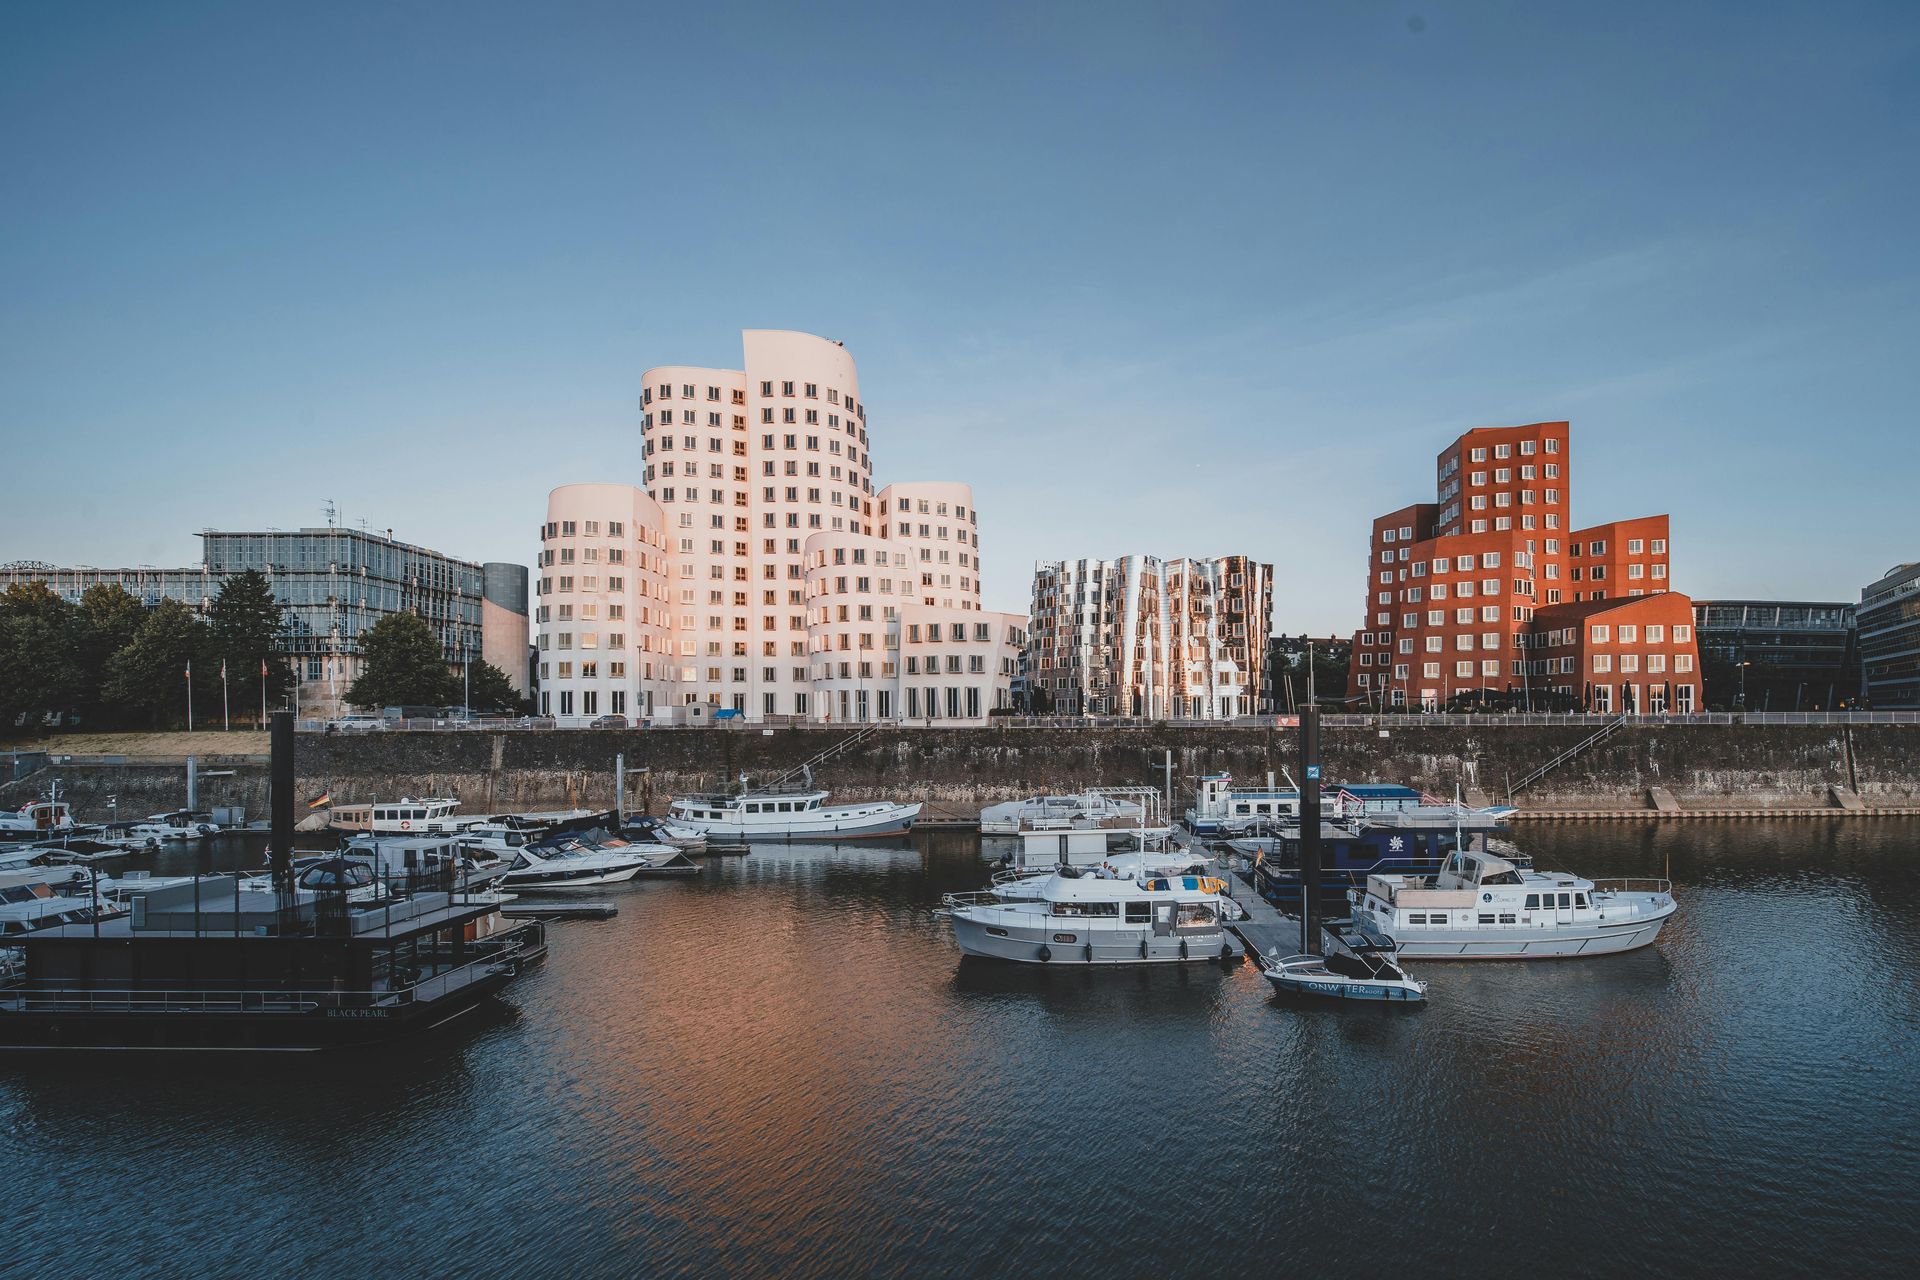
[(1454, 587), (1634, 654)]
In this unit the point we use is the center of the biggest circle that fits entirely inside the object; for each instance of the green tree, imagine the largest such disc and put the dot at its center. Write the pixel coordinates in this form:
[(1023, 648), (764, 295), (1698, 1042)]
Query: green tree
[(40, 672), (148, 678), (107, 619), (245, 624), (488, 690), (401, 664)]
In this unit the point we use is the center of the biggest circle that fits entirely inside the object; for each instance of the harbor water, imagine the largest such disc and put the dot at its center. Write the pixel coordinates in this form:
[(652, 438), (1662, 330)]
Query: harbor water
[(783, 1067)]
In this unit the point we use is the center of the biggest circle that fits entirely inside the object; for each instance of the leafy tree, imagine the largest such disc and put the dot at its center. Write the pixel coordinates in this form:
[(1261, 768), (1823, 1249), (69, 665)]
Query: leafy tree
[(488, 690), (245, 623), (148, 677), (108, 618), (401, 664), (40, 673)]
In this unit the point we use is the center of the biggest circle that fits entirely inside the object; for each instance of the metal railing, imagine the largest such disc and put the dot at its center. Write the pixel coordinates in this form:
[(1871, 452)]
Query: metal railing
[(1633, 884), (239, 1001)]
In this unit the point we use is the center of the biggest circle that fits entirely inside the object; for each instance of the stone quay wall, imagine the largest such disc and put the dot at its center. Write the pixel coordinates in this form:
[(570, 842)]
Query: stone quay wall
[(957, 771)]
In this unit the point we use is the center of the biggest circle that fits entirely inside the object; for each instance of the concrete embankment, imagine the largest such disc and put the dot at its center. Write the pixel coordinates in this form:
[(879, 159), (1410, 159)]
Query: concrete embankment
[(1651, 769)]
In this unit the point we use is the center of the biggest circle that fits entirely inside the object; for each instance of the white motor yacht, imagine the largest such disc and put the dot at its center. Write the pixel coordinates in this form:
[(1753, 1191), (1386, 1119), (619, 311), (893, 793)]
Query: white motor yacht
[(41, 820), (1092, 916), (1006, 818), (403, 817), (575, 863), (27, 907), (178, 825), (1482, 907), (788, 815)]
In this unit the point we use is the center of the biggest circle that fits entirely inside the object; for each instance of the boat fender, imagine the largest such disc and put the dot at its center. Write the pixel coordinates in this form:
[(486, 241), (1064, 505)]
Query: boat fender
[(1046, 953), (1226, 951), (1183, 948), (1143, 948), (1089, 951)]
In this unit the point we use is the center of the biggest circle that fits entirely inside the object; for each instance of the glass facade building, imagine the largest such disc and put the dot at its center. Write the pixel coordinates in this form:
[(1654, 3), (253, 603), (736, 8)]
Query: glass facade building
[(1889, 614), (1797, 655)]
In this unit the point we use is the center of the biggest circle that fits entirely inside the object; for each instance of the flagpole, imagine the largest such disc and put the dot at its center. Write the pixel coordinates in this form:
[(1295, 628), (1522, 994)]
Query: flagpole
[(263, 693), (189, 695), (226, 721)]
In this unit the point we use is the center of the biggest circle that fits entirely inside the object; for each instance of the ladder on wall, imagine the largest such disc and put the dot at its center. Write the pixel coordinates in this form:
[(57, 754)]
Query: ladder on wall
[(1579, 748)]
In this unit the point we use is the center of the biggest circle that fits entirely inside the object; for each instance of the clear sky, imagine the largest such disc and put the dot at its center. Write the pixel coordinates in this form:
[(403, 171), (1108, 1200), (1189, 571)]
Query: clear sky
[(1174, 279)]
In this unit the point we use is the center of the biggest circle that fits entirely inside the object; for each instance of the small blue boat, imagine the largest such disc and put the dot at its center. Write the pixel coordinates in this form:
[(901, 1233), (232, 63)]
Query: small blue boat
[(1359, 964)]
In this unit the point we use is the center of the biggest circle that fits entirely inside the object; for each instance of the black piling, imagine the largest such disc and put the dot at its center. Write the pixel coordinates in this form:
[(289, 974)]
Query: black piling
[(1310, 830), (280, 802)]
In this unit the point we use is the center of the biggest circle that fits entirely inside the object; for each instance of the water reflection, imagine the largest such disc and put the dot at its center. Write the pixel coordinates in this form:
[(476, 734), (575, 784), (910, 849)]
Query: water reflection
[(783, 1066)]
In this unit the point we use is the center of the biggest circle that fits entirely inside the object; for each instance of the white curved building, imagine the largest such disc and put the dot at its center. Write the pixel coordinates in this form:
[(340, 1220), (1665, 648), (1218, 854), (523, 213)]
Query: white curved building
[(784, 575), (603, 619)]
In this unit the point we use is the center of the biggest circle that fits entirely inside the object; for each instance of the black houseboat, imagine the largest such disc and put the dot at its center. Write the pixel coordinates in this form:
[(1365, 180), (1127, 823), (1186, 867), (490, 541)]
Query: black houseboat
[(222, 962)]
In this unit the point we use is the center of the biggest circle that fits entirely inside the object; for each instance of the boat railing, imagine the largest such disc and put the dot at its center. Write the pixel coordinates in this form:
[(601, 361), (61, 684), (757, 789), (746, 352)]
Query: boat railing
[(1633, 884), (977, 898), (243, 1000)]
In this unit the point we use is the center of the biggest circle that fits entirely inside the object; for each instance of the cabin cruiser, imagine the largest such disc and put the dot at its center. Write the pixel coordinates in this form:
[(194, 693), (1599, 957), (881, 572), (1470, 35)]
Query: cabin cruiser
[(25, 908), (1092, 917), (1007, 818), (1357, 964), (574, 862), (1024, 884), (1482, 907), (178, 825), (41, 820), (1409, 842), (83, 849), (653, 830), (788, 815), (1220, 808), (474, 867), (405, 816)]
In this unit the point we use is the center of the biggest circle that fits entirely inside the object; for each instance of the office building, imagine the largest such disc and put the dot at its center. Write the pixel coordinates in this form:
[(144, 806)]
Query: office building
[(333, 584), (1889, 619), (1778, 655)]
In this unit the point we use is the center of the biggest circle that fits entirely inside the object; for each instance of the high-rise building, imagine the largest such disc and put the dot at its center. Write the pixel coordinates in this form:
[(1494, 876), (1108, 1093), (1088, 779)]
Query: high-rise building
[(1140, 636), (1889, 616), (761, 572), (1453, 586)]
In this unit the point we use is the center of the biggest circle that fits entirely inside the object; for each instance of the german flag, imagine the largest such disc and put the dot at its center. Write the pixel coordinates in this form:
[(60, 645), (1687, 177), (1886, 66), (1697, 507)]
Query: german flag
[(321, 801)]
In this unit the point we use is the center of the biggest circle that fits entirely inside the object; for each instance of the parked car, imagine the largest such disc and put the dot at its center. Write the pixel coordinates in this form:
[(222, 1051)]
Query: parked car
[(609, 722), (356, 724)]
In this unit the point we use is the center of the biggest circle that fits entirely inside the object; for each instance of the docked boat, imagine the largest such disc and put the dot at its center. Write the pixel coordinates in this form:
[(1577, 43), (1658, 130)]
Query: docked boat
[(1025, 884), (788, 815), (1414, 841), (405, 816), (1008, 817), (41, 820), (178, 825), (28, 908), (1220, 808), (1089, 917), (574, 862), (651, 830), (1483, 907), (1357, 964), (474, 867)]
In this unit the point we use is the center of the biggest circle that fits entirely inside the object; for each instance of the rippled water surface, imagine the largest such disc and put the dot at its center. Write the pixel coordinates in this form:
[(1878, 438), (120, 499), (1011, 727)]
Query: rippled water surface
[(783, 1068)]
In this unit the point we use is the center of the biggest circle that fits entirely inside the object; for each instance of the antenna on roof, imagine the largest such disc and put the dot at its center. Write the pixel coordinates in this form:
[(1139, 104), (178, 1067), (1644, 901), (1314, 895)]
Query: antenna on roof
[(333, 513)]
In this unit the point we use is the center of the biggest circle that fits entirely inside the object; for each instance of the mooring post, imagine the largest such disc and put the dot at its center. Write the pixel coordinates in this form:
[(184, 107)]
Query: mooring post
[(1310, 830)]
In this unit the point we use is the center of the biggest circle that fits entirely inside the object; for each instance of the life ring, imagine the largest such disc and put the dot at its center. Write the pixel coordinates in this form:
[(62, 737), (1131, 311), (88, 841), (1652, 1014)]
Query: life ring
[(404, 824)]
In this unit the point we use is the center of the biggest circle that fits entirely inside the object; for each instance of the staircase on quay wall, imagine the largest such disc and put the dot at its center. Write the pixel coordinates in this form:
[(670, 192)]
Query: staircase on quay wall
[(804, 770), (1573, 752)]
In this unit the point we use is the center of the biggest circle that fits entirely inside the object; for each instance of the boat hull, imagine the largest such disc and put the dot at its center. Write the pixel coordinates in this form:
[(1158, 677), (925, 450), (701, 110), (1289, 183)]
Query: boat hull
[(536, 881), (821, 824), (251, 1031), (1328, 986), (1600, 939), (1069, 946)]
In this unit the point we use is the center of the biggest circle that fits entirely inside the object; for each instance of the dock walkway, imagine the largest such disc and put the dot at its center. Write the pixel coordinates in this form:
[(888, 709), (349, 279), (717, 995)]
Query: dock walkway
[(1264, 929)]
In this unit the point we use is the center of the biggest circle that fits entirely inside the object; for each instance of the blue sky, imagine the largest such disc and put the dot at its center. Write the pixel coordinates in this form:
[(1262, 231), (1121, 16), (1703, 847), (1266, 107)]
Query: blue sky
[(1187, 279)]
